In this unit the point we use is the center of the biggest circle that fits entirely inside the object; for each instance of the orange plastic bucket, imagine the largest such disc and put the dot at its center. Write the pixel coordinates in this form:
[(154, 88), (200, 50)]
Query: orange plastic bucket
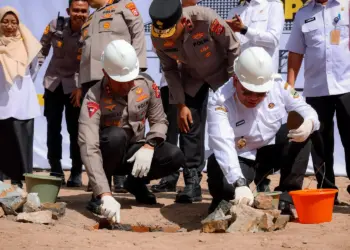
[(314, 205)]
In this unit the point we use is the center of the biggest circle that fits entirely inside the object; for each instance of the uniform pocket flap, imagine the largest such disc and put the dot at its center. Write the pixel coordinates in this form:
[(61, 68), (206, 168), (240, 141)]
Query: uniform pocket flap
[(310, 25)]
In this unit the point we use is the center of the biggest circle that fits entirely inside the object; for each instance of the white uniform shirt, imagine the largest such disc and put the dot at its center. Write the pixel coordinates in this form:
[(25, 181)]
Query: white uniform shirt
[(18, 100), (265, 22), (326, 66), (229, 121)]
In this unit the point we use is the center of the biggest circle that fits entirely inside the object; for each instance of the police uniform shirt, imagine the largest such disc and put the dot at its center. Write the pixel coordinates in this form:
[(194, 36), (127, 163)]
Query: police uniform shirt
[(235, 130), (64, 65), (206, 53), (265, 21), (101, 109), (119, 19), (327, 63)]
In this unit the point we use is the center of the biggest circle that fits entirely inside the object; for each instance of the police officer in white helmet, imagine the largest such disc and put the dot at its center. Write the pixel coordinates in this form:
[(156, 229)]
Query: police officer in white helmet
[(248, 137), (112, 136)]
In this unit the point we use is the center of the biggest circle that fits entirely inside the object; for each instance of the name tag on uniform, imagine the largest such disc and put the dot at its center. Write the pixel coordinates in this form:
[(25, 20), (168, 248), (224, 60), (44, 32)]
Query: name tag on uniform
[(310, 19), (240, 123), (335, 37)]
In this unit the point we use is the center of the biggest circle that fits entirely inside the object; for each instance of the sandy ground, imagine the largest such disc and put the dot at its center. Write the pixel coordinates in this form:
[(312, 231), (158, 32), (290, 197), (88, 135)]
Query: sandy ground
[(69, 232)]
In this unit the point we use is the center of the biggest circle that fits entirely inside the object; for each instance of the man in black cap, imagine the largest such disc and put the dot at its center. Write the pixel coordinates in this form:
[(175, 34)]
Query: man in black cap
[(206, 47)]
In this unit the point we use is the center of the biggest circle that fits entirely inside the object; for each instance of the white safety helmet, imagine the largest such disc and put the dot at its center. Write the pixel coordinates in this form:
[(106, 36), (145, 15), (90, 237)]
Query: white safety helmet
[(119, 60), (254, 69)]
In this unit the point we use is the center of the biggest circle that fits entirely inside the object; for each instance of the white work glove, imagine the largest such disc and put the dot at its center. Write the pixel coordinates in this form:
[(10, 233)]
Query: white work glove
[(143, 159), (110, 208), (243, 195), (302, 133)]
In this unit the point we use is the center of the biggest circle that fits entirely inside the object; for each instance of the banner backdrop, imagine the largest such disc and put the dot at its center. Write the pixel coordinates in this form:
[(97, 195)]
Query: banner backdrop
[(36, 14)]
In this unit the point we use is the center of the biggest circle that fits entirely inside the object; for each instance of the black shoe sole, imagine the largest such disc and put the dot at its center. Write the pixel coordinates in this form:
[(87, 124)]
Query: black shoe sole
[(189, 200)]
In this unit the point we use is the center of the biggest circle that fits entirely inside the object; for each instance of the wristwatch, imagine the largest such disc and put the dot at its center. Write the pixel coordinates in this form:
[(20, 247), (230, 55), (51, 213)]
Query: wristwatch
[(241, 182), (152, 143), (244, 30)]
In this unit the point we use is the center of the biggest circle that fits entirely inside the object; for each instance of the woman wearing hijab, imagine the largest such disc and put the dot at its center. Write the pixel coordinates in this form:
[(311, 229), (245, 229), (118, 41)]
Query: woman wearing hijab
[(18, 99)]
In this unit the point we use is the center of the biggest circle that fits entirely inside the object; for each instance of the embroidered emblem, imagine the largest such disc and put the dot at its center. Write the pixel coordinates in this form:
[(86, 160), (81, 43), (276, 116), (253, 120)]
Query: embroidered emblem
[(139, 91), (132, 8), (208, 54), (241, 143), (110, 107), (156, 90), (92, 108), (141, 98), (216, 27), (204, 49), (198, 36), (294, 93), (106, 25), (221, 108), (107, 15)]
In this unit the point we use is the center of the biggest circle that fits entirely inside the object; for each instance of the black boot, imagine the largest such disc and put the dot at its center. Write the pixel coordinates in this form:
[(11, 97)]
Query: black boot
[(286, 209), (94, 205), (138, 188), (348, 189), (75, 176), (263, 186), (192, 191), (56, 170), (1, 177), (164, 186), (118, 181), (74, 180)]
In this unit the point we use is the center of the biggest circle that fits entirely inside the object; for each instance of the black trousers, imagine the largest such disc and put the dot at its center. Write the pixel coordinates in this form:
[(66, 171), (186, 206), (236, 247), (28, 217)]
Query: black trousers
[(16, 147), (194, 141), (289, 157), (116, 149), (55, 103), (323, 141)]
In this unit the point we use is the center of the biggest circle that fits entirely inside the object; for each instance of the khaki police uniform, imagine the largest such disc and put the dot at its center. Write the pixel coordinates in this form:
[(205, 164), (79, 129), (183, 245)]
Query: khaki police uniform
[(61, 78), (252, 143), (206, 51), (112, 129), (119, 19)]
